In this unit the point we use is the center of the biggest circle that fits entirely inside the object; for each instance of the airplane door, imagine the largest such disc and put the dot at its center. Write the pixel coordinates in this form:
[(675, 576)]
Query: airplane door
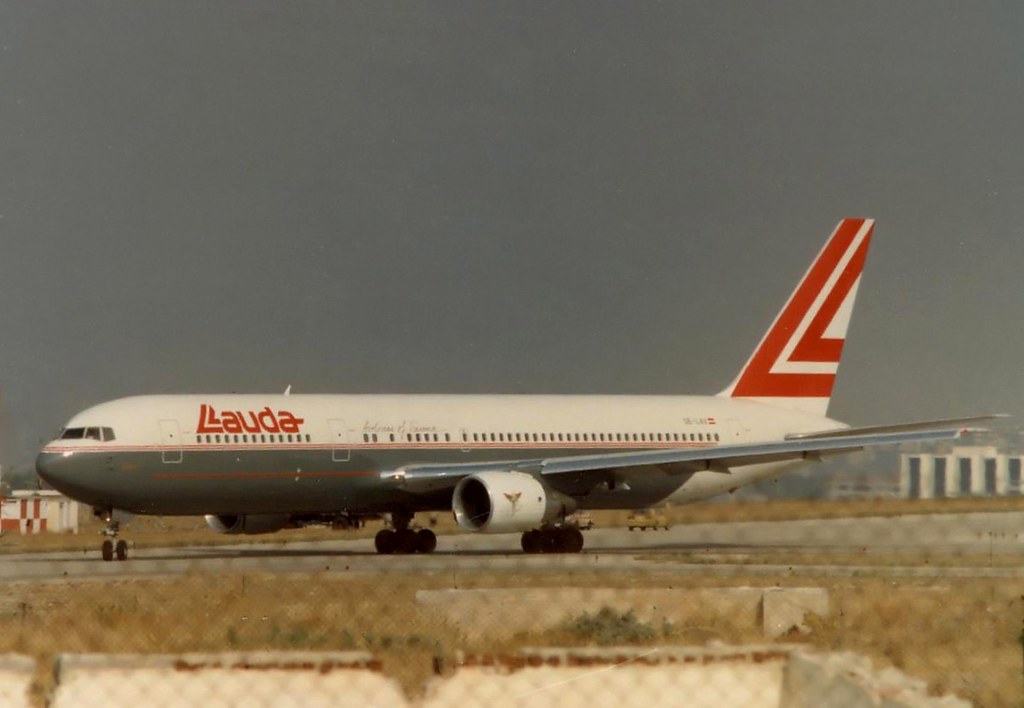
[(170, 441), (340, 451)]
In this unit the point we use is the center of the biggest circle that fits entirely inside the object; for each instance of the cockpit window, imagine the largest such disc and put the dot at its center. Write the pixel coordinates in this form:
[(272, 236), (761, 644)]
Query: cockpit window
[(100, 434)]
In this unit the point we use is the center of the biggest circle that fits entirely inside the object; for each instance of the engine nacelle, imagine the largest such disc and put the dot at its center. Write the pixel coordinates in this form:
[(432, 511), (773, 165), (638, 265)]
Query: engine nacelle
[(504, 502), (247, 523)]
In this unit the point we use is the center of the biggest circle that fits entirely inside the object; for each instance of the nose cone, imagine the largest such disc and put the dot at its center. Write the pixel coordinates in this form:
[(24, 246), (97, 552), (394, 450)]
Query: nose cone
[(48, 467), (56, 469)]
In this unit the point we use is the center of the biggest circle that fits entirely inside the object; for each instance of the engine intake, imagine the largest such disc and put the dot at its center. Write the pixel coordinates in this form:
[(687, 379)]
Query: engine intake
[(505, 502), (247, 524)]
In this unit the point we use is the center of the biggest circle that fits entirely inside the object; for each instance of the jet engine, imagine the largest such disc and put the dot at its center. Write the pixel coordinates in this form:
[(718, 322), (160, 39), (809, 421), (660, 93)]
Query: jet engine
[(504, 502), (247, 523)]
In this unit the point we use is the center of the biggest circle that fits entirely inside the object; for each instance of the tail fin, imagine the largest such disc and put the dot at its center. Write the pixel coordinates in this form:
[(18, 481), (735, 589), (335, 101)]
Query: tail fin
[(796, 362)]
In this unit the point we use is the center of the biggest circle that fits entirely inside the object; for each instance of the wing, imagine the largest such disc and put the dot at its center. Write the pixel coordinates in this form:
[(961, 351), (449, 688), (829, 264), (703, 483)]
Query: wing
[(721, 458)]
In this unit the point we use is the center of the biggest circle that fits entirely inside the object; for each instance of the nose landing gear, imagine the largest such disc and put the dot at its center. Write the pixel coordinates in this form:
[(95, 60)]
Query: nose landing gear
[(112, 547), (110, 550)]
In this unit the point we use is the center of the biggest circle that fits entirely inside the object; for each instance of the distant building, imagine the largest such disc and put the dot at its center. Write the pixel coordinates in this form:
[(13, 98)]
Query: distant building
[(38, 511), (964, 471)]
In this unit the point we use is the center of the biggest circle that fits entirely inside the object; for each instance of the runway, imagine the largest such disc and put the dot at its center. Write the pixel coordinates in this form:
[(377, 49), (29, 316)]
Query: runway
[(883, 546)]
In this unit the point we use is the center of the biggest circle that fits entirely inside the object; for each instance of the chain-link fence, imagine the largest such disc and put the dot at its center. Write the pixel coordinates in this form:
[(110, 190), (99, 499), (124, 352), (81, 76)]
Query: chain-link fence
[(724, 608)]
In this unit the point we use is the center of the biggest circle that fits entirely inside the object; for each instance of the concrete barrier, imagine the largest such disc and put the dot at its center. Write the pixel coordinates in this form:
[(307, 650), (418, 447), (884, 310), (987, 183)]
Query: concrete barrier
[(505, 612), (757, 676), (785, 609), (617, 677), (762, 676), (16, 673), (232, 679)]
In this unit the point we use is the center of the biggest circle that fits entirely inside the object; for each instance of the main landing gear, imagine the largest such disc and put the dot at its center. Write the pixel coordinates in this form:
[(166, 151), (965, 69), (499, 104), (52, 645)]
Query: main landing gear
[(559, 539), (112, 547), (402, 539)]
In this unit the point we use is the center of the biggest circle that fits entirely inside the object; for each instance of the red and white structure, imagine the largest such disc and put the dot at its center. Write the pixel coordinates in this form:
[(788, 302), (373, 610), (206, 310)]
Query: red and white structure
[(38, 511)]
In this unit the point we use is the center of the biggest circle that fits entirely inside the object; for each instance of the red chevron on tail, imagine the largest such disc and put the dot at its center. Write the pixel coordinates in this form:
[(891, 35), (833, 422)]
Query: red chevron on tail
[(796, 362)]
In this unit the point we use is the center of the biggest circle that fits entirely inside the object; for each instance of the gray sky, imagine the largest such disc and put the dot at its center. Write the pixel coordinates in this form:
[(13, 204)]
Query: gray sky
[(516, 197)]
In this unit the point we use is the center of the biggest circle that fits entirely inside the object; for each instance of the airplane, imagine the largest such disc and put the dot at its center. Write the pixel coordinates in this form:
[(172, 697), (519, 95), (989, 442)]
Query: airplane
[(257, 463)]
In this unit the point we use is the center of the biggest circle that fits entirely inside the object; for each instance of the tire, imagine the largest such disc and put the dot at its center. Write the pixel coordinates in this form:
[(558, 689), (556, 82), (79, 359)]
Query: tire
[(385, 542), (426, 541), (121, 550), (531, 542), (573, 541), (107, 550)]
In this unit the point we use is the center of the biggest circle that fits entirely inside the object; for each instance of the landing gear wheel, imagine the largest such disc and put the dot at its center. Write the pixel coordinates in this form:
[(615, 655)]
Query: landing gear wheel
[(426, 541), (572, 541), (121, 550), (531, 541), (107, 549), (386, 541)]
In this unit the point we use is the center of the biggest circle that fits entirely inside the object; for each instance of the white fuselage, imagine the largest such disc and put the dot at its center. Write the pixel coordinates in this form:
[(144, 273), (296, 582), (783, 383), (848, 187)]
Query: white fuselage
[(228, 453)]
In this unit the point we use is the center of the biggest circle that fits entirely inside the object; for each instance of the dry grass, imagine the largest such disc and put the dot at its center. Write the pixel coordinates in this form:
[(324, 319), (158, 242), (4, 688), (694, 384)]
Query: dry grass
[(960, 636)]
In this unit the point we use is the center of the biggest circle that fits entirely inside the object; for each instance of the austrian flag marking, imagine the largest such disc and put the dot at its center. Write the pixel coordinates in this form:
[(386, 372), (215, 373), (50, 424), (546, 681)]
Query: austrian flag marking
[(799, 356), (264, 421)]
